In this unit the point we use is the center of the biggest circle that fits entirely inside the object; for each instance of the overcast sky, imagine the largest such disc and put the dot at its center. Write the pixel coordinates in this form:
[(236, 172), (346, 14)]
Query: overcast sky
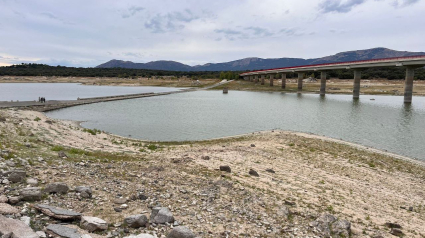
[(90, 32)]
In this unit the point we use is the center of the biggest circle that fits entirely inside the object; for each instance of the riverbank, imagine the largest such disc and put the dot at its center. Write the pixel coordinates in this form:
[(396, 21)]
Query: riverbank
[(334, 86), (300, 177)]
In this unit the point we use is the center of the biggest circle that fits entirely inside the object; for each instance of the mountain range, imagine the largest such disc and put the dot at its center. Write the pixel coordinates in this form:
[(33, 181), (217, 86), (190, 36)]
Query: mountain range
[(259, 63)]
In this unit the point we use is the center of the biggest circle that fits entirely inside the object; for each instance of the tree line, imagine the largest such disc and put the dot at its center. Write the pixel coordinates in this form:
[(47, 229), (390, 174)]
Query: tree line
[(62, 71)]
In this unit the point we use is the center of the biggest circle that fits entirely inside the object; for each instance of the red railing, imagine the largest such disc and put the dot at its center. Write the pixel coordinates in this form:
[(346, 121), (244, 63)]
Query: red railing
[(337, 63)]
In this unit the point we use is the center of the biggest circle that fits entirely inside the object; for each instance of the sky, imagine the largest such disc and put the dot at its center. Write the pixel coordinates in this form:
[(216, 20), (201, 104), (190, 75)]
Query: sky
[(86, 33)]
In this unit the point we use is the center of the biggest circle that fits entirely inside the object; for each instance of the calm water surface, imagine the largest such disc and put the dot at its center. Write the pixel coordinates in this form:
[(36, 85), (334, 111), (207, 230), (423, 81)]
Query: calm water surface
[(384, 123), (67, 91)]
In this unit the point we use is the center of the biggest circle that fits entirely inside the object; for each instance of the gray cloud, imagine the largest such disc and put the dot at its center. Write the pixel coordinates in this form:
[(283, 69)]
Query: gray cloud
[(133, 10), (54, 17), (339, 6), (259, 32), (170, 22), (404, 3)]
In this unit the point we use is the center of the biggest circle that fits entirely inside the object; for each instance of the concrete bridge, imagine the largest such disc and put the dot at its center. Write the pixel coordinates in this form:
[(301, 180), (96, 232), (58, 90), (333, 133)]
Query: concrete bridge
[(410, 63)]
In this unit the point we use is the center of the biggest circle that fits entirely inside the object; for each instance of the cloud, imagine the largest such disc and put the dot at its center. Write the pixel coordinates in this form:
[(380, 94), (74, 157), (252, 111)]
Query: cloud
[(54, 17), (259, 32), (338, 6), (133, 10), (172, 21), (404, 3)]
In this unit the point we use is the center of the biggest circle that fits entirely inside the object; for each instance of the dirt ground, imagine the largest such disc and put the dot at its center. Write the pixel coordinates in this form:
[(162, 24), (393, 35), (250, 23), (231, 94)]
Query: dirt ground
[(301, 176)]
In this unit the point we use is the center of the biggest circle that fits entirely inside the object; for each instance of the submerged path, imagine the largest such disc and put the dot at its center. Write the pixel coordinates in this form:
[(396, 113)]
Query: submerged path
[(58, 104)]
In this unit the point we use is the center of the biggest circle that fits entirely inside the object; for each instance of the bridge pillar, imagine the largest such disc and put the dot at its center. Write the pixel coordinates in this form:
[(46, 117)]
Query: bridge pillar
[(322, 83), (271, 79), (300, 81), (408, 84), (262, 79), (356, 86), (283, 80)]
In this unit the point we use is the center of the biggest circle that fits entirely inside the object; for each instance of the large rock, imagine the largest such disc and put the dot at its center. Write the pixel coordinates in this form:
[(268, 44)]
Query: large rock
[(84, 191), (62, 231), (58, 213), (161, 215), (30, 194), (136, 221), (181, 232), (6, 209), (56, 188), (15, 228), (17, 176), (329, 225), (225, 168), (93, 224), (140, 236)]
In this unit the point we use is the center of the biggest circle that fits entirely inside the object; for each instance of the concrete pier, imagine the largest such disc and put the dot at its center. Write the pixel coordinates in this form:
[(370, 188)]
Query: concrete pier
[(263, 79), (408, 84), (322, 83), (300, 81), (283, 80), (271, 79), (356, 86)]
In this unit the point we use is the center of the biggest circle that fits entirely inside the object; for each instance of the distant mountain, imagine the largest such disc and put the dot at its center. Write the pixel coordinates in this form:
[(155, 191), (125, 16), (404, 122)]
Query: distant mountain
[(259, 63)]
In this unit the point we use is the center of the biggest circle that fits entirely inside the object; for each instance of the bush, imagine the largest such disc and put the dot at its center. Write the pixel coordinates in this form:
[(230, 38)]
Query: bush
[(37, 119), (57, 148), (152, 147)]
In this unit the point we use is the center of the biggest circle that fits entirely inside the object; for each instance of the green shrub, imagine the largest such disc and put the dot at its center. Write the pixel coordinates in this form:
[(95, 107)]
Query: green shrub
[(37, 119), (57, 148), (152, 147), (92, 131)]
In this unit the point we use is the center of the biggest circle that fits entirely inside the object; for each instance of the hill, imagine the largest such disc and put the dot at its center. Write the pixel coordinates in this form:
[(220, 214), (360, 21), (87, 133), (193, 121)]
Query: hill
[(259, 63)]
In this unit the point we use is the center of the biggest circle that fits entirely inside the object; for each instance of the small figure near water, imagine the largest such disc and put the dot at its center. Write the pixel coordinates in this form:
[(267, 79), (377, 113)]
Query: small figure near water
[(42, 99)]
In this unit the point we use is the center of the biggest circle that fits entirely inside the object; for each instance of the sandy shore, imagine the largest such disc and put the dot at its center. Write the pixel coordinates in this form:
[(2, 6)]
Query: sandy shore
[(312, 175)]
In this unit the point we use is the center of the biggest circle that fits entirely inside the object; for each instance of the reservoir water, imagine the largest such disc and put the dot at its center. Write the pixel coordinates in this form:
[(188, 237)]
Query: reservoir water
[(384, 123), (67, 91)]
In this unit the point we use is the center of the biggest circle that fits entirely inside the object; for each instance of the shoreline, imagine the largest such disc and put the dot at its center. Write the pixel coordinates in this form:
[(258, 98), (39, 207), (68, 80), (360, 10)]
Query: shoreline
[(301, 177)]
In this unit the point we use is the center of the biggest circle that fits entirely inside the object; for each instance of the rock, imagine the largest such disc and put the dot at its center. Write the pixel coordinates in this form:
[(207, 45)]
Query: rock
[(92, 224), (117, 209), (270, 171), (6, 209), (396, 232), (253, 173), (56, 188), (16, 176), (26, 220), (85, 192), (181, 232), (30, 194), (206, 157), (136, 221), (14, 200), (3, 199), (161, 215), (393, 225), (120, 200), (225, 168), (62, 231), (290, 203), (252, 145), (32, 181), (323, 224), (15, 228), (62, 154), (341, 228), (140, 236), (57, 213), (41, 234)]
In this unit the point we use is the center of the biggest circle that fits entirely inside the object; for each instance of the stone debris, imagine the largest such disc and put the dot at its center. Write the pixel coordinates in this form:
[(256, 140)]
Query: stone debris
[(56, 230), (6, 209), (140, 236), (56, 188), (328, 225), (161, 215), (181, 232), (225, 168), (57, 213), (84, 191), (253, 173), (136, 221), (30, 194), (16, 176), (92, 224), (15, 228)]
